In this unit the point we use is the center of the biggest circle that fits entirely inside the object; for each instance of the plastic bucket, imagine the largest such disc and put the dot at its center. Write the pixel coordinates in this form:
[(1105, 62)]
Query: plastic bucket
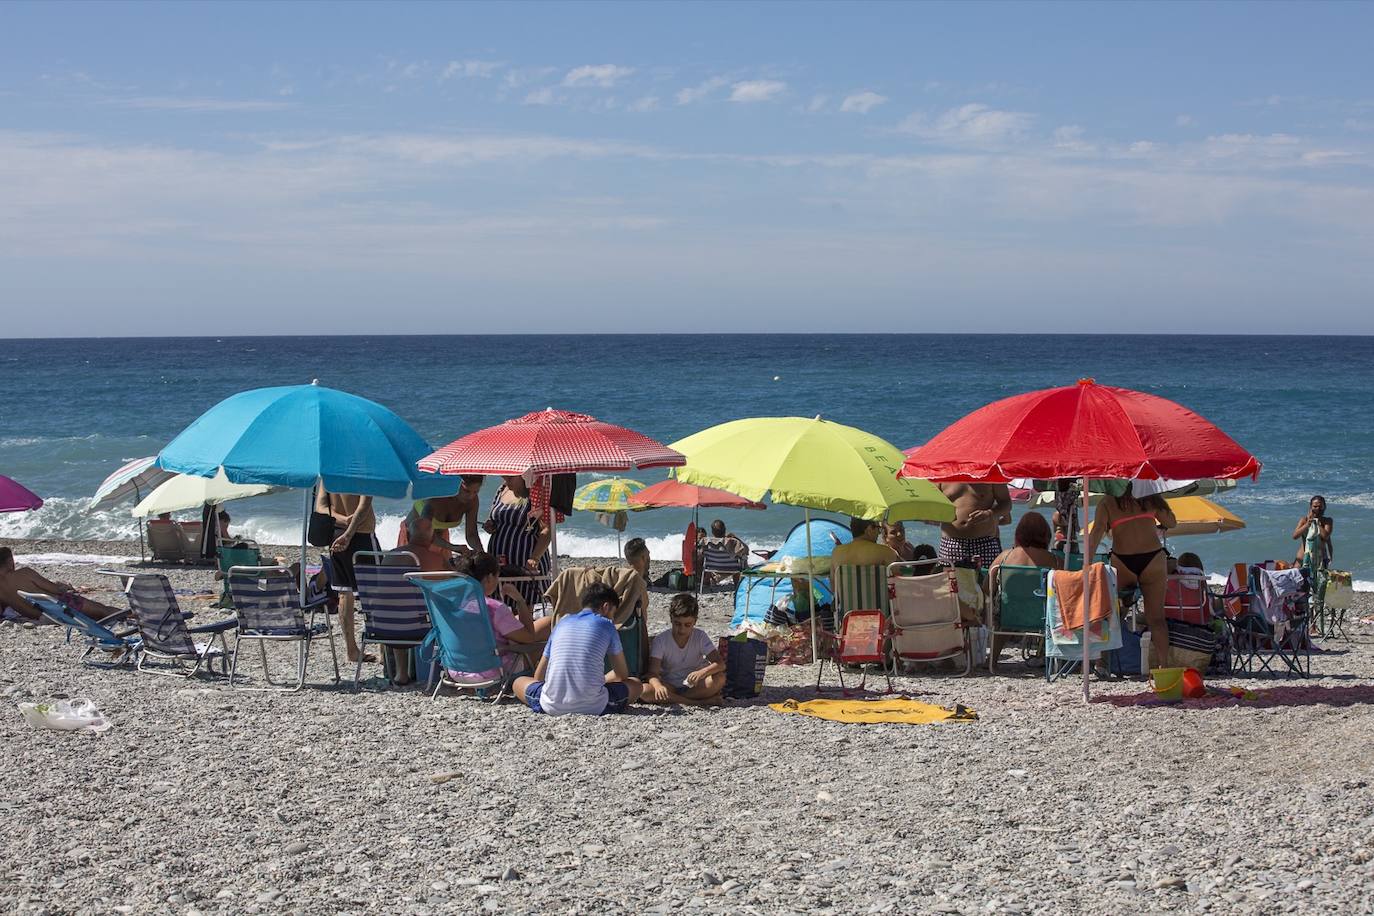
[(1167, 682), (1193, 687)]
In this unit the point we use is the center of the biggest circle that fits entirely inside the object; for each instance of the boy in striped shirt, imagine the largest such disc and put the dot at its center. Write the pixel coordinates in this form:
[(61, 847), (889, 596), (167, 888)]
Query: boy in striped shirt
[(569, 678)]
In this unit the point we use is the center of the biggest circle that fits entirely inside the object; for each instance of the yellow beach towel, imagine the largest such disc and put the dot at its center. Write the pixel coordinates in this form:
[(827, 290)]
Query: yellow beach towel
[(909, 712)]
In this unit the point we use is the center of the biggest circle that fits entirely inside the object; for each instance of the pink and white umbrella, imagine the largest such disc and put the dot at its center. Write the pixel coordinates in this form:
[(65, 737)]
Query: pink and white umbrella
[(15, 497)]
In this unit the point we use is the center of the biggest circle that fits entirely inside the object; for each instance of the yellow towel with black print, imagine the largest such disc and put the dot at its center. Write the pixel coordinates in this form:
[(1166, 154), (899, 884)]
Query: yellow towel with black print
[(903, 711)]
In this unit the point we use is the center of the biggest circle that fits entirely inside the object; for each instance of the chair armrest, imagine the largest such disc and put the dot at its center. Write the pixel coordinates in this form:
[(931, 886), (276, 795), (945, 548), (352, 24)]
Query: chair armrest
[(218, 626)]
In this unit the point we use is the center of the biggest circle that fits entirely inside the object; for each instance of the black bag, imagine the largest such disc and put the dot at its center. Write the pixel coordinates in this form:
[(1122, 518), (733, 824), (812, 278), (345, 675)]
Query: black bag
[(320, 532), (562, 489)]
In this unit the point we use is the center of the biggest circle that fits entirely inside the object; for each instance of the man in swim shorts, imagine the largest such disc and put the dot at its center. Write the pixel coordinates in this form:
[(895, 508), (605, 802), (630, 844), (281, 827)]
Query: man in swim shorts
[(979, 508)]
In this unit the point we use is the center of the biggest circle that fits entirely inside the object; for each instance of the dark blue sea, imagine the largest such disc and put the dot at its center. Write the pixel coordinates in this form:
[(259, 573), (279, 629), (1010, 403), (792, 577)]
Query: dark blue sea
[(73, 410)]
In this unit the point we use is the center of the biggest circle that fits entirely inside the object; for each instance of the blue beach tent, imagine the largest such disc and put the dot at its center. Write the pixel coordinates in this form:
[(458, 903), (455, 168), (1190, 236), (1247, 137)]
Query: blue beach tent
[(752, 604)]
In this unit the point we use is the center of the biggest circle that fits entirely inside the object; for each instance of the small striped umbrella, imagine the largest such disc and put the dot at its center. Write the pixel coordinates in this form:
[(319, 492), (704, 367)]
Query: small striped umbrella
[(609, 495), (136, 479)]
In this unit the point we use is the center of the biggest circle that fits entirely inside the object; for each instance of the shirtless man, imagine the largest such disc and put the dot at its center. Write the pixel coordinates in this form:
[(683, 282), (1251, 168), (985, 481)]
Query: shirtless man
[(979, 508), (14, 580)]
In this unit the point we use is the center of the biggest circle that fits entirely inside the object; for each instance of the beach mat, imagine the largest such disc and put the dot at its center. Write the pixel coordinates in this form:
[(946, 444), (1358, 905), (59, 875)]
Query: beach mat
[(900, 711)]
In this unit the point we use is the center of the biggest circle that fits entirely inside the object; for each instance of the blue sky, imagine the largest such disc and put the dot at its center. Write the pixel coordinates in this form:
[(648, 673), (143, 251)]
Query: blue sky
[(182, 168)]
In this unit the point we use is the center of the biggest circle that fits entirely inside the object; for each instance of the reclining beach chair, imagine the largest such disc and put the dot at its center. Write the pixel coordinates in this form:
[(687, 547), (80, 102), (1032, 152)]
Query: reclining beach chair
[(1016, 608), (122, 644), (163, 630), (462, 631), (719, 560), (926, 621), (1064, 649), (267, 605), (393, 607), (165, 542), (229, 557), (1186, 598)]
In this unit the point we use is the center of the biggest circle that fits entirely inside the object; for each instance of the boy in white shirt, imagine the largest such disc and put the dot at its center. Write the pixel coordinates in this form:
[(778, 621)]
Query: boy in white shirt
[(684, 665)]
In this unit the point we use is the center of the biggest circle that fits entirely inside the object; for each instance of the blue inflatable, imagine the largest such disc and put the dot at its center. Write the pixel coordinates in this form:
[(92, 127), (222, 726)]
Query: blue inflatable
[(754, 595)]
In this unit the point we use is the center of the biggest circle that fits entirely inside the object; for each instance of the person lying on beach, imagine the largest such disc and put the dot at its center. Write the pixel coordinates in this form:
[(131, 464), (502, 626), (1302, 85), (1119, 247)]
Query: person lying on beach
[(569, 678), (15, 579), (684, 666)]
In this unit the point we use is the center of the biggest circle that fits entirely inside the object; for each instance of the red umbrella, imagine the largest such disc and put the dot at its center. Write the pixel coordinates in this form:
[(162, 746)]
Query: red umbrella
[(550, 442), (1080, 430), (1085, 430), (675, 493)]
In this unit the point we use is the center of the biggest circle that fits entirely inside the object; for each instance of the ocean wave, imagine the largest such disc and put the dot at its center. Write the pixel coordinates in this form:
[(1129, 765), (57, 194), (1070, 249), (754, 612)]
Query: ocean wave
[(66, 518), (70, 559)]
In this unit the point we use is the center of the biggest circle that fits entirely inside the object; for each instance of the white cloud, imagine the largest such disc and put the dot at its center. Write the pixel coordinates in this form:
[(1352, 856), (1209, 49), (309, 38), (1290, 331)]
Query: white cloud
[(470, 69), (862, 102), (542, 96), (1184, 120), (647, 103), (700, 91), (757, 90), (1069, 139), (973, 124), (602, 75), (173, 103)]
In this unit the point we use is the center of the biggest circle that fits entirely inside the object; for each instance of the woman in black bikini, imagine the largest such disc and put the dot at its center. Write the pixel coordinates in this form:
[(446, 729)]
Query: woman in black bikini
[(1137, 554)]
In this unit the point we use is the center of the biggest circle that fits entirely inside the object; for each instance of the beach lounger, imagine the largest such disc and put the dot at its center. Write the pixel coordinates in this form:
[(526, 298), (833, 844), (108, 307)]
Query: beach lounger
[(462, 631), (122, 644), (267, 604), (163, 630), (926, 620), (393, 607), (1016, 608)]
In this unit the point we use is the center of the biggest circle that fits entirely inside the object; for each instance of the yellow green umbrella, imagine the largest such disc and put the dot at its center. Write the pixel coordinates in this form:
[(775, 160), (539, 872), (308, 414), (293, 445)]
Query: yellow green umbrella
[(609, 495), (812, 463), (1196, 515)]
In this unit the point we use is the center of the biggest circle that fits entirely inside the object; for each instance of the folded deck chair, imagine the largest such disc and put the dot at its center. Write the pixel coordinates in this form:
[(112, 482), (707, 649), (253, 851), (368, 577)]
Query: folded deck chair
[(165, 542), (926, 623), (462, 631), (719, 559), (122, 644), (267, 605), (392, 605), (1016, 608), (163, 630)]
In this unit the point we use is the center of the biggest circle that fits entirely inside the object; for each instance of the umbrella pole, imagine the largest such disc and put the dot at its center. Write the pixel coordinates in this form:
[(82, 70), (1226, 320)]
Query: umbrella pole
[(810, 583), (553, 542), (309, 505), (142, 558), (1087, 595)]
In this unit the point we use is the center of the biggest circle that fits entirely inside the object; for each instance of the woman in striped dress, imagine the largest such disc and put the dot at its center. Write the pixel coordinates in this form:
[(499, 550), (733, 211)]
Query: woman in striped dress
[(518, 537)]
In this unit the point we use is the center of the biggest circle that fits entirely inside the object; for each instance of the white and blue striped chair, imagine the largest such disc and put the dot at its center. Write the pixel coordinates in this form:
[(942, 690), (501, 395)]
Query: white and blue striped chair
[(267, 602), (393, 607), (163, 631)]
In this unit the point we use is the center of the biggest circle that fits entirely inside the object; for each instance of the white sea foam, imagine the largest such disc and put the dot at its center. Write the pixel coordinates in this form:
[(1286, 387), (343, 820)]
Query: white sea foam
[(70, 559)]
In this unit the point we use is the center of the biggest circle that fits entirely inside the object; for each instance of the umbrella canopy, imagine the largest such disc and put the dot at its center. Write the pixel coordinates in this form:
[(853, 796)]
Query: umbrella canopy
[(812, 463), (1197, 515), (293, 436), (134, 480), (1084, 429), (186, 491), (676, 494), (550, 442), (609, 495), (15, 497)]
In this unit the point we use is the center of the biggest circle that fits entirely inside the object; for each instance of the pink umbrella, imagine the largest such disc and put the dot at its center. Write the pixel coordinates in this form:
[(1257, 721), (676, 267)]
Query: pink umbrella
[(15, 497)]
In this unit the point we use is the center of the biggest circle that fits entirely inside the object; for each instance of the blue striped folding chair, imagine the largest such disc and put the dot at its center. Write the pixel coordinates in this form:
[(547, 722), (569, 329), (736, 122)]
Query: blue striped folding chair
[(393, 607), (462, 631), (719, 560), (267, 602), (122, 644), (163, 630)]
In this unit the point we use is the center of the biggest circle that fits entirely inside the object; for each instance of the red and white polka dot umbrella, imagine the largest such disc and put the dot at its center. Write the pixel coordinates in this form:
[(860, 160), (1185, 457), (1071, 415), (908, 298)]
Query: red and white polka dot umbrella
[(551, 442)]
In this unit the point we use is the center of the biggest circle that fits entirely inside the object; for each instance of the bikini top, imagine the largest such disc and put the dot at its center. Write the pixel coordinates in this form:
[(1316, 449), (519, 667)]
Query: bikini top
[(1132, 518)]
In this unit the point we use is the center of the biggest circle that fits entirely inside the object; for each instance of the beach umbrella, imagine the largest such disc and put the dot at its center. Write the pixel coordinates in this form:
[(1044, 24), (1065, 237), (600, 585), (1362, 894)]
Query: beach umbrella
[(811, 463), (550, 442), (133, 480), (609, 495), (1199, 515), (1082, 431), (677, 494), (302, 435), (186, 491), (15, 497)]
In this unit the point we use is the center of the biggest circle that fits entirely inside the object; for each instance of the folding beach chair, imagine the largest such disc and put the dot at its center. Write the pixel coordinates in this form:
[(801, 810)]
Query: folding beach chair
[(392, 605), (229, 557), (926, 620), (1269, 639), (1064, 648), (719, 560), (862, 640), (164, 541), (163, 630), (122, 644), (1186, 598), (462, 631), (859, 588), (267, 604), (1016, 608)]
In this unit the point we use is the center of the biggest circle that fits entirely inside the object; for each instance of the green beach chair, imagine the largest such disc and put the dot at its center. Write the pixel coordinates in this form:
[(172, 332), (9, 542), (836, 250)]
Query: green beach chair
[(1017, 608), (229, 557), (859, 588)]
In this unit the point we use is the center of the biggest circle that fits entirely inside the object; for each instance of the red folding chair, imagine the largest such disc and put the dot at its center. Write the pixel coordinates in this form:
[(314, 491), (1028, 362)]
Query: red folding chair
[(862, 641)]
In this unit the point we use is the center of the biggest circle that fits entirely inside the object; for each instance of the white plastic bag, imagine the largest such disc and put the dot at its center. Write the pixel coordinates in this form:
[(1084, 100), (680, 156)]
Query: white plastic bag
[(78, 715)]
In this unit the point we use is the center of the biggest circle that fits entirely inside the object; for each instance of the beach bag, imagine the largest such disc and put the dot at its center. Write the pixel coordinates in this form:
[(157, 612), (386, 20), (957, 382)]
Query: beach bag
[(746, 661), (1190, 646)]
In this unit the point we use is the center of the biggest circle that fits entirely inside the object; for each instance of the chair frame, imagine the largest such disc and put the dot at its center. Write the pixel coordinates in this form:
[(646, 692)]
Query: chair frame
[(896, 659), (879, 656), (994, 609), (1254, 640), (735, 570), (97, 636), (203, 654), (304, 633)]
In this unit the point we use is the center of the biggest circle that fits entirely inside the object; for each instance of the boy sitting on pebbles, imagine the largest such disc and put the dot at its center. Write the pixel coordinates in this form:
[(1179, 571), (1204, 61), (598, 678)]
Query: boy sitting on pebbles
[(569, 676), (684, 667)]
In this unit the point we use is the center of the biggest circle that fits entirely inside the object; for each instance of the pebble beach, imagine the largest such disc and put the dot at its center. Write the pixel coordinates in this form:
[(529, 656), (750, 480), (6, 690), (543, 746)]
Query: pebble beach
[(203, 800)]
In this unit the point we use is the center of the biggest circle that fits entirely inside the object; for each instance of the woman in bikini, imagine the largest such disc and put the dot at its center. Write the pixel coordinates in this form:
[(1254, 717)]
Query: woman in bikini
[(1137, 554), (451, 514)]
